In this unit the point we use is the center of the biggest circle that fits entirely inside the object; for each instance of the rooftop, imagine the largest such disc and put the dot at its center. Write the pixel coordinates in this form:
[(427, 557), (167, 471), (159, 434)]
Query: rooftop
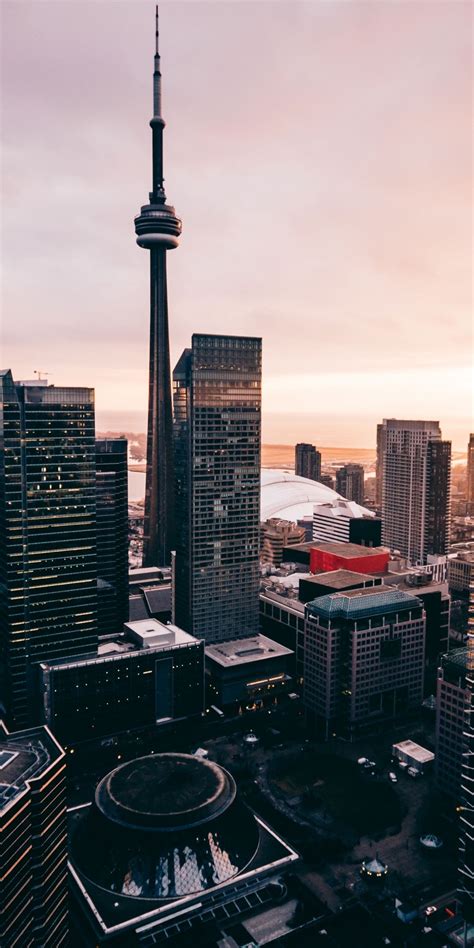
[(244, 651), (348, 550), (24, 756), (165, 791), (457, 658), (337, 578), (415, 750), (290, 497), (362, 603)]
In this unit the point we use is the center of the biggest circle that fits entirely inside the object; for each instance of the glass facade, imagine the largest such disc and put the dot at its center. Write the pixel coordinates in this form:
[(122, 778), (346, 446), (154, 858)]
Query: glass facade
[(107, 695), (112, 534), (217, 427), (48, 570)]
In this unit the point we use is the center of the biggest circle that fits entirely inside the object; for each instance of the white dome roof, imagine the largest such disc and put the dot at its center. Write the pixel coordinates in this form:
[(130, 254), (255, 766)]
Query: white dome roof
[(286, 495)]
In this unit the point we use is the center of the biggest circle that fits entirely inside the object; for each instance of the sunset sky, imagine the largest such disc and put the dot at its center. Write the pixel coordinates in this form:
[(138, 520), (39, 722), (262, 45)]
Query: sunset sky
[(319, 155)]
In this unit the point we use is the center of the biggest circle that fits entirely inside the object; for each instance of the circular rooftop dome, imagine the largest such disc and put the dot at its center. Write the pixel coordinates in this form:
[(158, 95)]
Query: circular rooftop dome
[(286, 495), (165, 792), (162, 827)]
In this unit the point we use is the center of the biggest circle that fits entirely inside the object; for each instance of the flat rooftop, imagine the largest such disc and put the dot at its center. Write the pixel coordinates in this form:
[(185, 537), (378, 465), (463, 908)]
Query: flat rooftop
[(118, 646), (337, 578), (24, 755), (415, 750), (362, 603), (347, 550), (244, 651)]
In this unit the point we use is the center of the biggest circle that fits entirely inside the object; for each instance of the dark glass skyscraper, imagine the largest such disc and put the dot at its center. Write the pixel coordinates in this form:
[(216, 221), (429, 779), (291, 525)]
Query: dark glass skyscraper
[(158, 229), (217, 412), (112, 534), (48, 571), (33, 835)]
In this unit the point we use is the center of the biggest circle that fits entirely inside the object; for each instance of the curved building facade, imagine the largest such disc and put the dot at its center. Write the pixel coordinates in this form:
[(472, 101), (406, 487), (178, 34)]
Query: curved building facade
[(166, 826), (290, 497)]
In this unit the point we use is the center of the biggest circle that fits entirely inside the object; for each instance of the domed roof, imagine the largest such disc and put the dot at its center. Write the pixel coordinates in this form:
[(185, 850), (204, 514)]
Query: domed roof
[(286, 495), (164, 826)]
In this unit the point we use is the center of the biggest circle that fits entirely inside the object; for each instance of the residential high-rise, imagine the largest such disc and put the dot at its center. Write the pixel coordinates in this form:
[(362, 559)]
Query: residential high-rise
[(217, 419), (33, 840), (158, 229), (112, 534), (307, 461), (379, 466), (363, 658), (470, 470), (48, 569), (416, 505), (350, 482)]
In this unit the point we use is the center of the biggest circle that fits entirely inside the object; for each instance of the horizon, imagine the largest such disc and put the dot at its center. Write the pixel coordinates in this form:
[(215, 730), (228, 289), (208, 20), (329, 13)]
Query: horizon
[(366, 300)]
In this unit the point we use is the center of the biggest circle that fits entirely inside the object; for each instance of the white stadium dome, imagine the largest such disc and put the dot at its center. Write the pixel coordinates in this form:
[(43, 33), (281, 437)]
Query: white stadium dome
[(290, 497)]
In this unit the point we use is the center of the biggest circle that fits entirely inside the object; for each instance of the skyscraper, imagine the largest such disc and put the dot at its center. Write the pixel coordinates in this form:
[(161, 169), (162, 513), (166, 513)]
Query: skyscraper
[(307, 461), (363, 658), (112, 534), (416, 501), (33, 840), (217, 418), (466, 842), (158, 229), (48, 571), (379, 465), (350, 482), (470, 470)]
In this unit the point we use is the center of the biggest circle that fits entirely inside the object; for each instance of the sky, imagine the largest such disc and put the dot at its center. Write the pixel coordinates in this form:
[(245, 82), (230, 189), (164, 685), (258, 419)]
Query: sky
[(320, 157)]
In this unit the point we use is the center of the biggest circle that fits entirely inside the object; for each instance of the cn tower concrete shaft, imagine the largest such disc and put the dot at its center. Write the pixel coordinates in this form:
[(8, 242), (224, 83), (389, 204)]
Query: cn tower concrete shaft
[(158, 229)]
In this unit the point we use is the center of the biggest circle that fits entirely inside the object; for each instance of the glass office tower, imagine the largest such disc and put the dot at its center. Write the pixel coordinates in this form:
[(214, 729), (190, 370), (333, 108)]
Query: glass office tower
[(217, 428), (48, 573), (112, 534)]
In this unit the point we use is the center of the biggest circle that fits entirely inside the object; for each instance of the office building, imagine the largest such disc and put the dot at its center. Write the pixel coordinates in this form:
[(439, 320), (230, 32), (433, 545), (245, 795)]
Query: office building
[(275, 535), (416, 489), (344, 521), (48, 569), (158, 229), (307, 461), (33, 840), (350, 482), (209, 859), (149, 674), (470, 470), (451, 697), (217, 419), (466, 818), (112, 534), (363, 659), (461, 572), (247, 674)]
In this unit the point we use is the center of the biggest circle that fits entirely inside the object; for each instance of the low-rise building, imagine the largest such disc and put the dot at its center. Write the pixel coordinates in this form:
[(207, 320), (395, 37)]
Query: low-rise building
[(413, 754), (363, 658), (247, 673), (150, 673), (275, 535), (344, 521)]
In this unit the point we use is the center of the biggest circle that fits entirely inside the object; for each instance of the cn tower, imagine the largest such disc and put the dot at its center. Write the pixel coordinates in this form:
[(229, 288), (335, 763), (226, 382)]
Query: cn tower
[(158, 229)]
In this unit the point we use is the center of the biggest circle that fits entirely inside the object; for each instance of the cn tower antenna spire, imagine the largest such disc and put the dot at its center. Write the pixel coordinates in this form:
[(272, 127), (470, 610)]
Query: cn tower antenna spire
[(158, 229)]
